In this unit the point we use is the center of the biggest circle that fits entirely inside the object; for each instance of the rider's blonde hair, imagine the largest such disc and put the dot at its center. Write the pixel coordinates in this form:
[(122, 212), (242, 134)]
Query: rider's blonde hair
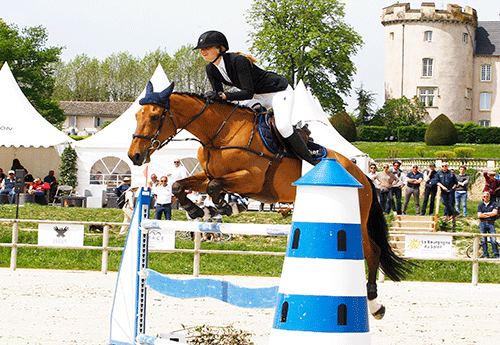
[(248, 56)]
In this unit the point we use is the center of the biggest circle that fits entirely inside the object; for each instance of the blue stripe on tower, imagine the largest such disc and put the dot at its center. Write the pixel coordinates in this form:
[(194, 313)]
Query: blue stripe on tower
[(327, 314), (319, 240)]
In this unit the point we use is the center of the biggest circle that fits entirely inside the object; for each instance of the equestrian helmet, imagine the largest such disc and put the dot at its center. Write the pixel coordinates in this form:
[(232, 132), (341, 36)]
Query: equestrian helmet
[(211, 39)]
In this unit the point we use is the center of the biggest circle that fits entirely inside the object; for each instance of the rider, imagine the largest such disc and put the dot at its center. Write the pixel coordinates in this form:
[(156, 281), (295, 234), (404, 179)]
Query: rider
[(256, 86)]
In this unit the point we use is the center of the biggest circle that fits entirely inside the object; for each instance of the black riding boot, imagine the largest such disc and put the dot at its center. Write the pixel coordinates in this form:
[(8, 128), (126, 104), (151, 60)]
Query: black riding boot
[(299, 147)]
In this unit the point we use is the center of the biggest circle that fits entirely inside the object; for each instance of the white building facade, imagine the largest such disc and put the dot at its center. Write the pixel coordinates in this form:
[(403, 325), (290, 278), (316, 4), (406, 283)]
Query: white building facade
[(446, 58)]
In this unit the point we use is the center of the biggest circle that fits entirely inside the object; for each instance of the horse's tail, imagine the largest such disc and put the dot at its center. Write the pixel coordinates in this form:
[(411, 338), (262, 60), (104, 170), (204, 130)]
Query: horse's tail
[(392, 265)]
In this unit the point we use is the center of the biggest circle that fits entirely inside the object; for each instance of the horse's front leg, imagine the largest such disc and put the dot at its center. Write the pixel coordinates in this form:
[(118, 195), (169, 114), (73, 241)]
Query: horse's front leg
[(197, 183), (236, 182)]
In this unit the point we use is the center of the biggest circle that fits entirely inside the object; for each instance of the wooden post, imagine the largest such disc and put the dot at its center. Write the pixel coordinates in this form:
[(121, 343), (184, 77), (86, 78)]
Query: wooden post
[(105, 251), (475, 262), (13, 250), (438, 204), (196, 259)]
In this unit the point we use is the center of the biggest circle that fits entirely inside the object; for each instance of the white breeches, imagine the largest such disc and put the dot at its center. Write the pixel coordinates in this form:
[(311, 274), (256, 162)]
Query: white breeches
[(282, 104)]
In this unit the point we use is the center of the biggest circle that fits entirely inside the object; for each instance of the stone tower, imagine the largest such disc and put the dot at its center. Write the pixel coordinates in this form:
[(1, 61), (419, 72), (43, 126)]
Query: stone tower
[(429, 54)]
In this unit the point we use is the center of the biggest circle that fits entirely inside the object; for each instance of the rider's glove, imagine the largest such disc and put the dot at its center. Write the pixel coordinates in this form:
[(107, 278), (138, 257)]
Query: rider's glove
[(212, 95)]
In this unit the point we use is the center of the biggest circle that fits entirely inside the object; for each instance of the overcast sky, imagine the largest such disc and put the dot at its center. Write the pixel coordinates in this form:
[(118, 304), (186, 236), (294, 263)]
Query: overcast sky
[(99, 28)]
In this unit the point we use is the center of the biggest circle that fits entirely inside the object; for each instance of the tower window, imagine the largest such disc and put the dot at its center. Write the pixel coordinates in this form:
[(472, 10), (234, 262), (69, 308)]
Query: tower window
[(426, 96), (465, 38), (468, 98), (427, 67), (485, 72), (484, 123), (428, 36), (485, 101), (391, 35)]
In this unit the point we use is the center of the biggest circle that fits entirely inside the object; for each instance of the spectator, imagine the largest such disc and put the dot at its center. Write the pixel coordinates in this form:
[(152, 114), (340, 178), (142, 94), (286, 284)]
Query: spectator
[(154, 181), (52, 181), (16, 164), (396, 189), (461, 191), (123, 186), (430, 189), (2, 175), (8, 186), (178, 173), (384, 180), (487, 212), (414, 179), (262, 205), (38, 188), (447, 181), (128, 208), (96, 178), (491, 184), (373, 171), (163, 197)]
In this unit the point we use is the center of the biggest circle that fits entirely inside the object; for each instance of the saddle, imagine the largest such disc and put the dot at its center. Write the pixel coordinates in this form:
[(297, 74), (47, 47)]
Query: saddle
[(275, 142)]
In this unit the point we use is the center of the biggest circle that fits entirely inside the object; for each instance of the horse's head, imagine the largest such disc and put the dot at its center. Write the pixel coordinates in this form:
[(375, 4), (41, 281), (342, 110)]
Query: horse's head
[(152, 129)]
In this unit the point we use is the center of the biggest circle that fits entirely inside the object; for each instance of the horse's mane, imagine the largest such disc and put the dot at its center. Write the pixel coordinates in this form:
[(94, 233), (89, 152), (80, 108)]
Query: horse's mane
[(204, 99)]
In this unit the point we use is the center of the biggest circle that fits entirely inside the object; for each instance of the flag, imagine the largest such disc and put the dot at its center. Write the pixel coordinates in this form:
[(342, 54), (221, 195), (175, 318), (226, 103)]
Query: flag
[(145, 172)]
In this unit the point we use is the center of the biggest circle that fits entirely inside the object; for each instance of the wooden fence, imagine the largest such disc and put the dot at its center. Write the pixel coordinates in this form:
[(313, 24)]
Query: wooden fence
[(197, 251)]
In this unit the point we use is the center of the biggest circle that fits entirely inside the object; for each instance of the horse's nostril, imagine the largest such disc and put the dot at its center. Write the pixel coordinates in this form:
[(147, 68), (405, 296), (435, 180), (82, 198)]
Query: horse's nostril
[(137, 158)]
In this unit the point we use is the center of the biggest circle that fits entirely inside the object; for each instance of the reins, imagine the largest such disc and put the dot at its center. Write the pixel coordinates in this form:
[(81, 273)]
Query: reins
[(157, 145)]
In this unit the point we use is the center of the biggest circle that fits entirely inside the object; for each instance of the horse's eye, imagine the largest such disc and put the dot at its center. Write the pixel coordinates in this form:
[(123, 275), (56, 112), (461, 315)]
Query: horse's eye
[(155, 117)]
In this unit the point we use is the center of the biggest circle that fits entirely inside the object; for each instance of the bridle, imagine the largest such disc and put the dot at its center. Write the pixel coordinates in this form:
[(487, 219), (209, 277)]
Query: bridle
[(155, 143)]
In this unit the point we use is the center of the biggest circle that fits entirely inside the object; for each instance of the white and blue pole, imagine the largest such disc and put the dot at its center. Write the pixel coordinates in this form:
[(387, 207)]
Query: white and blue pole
[(322, 293), (128, 318)]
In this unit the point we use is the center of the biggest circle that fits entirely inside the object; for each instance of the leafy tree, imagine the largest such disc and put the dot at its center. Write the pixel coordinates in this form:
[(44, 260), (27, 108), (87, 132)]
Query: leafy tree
[(68, 169), (344, 124), (398, 112), (124, 76), (80, 80), (188, 68), (32, 66), (366, 102), (308, 40)]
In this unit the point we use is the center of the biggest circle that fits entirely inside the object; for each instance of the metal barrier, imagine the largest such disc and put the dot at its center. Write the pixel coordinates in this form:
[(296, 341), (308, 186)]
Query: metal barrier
[(197, 251)]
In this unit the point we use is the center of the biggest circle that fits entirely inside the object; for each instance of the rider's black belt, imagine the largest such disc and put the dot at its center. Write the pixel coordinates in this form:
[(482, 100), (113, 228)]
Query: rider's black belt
[(488, 221), (163, 205)]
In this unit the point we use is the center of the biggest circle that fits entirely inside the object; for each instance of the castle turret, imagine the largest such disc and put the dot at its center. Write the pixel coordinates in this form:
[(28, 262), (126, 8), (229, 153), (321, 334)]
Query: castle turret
[(429, 54)]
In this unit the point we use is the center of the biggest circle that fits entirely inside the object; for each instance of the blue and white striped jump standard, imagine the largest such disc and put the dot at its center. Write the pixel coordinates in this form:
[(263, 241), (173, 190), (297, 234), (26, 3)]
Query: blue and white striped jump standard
[(322, 294)]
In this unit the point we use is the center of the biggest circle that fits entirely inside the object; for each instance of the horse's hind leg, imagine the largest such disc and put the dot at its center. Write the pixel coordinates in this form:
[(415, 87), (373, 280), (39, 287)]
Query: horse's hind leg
[(372, 257)]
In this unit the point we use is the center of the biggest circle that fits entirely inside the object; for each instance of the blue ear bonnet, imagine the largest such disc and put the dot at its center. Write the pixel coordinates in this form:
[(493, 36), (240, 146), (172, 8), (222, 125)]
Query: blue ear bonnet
[(159, 98)]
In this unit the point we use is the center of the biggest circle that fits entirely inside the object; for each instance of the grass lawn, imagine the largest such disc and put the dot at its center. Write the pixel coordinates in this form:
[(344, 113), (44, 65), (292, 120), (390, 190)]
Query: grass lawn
[(217, 264), (378, 150)]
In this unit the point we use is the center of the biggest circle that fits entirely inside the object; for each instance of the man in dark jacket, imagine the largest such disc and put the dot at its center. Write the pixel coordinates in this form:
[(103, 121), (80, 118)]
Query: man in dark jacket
[(447, 181), (430, 189)]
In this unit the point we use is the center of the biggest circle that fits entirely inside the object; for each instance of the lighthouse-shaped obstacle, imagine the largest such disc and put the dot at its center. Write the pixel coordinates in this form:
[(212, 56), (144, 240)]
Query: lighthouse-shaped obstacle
[(322, 294)]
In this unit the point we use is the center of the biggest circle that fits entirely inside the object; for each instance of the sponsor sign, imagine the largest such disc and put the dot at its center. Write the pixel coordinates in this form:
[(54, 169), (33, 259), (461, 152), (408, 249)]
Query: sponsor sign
[(428, 246), (64, 235), (161, 239), (6, 129)]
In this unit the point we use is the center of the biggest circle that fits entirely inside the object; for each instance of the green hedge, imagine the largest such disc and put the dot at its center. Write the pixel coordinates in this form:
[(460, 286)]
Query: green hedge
[(372, 133), (412, 133), (472, 133)]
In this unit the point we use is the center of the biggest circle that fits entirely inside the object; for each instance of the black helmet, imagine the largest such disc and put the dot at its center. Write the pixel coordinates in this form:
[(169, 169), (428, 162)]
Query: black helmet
[(212, 38)]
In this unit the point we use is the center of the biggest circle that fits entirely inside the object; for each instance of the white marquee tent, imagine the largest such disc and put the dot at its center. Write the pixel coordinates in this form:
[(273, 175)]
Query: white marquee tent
[(308, 110), (107, 151), (24, 133)]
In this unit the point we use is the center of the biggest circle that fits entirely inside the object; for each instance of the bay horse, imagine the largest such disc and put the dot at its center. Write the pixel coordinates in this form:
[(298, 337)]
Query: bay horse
[(236, 160)]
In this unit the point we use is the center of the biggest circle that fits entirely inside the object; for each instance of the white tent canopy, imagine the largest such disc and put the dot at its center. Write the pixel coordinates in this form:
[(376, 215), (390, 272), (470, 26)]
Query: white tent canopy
[(308, 110), (107, 151), (24, 133)]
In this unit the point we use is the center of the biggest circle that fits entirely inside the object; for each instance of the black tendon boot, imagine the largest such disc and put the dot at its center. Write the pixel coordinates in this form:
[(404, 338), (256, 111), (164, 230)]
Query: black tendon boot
[(299, 147)]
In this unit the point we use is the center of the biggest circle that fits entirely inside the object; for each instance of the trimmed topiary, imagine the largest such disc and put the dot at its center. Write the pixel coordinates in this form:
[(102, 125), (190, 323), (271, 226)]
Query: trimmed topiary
[(344, 124), (441, 131)]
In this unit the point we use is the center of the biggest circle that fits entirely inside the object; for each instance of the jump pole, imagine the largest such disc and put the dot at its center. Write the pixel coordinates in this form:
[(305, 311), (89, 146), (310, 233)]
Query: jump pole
[(322, 294)]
